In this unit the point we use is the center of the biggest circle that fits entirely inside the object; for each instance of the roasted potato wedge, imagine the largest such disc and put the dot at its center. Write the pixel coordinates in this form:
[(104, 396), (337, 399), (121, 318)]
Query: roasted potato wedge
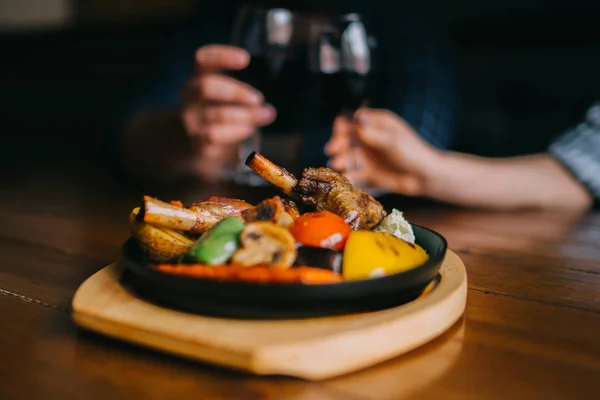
[(161, 244)]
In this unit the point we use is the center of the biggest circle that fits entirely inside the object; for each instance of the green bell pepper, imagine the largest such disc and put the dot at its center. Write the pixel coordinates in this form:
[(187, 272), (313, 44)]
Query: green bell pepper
[(218, 244)]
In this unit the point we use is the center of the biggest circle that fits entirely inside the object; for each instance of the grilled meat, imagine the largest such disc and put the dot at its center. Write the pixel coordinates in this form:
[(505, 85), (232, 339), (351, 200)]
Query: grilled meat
[(291, 208), (196, 219), (274, 174), (273, 210), (325, 190)]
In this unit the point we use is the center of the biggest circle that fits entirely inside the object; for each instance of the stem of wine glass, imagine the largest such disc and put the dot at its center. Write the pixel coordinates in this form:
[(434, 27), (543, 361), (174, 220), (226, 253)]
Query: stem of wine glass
[(354, 162)]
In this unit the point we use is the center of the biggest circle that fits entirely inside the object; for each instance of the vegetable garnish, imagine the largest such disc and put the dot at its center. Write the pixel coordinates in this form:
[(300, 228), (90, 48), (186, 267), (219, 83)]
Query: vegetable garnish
[(371, 254), (265, 243), (256, 273), (321, 229), (217, 245), (159, 243), (397, 225), (319, 257)]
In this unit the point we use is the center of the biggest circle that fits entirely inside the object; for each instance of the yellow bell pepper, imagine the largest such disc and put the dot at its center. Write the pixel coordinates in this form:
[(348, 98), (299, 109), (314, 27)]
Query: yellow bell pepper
[(370, 254)]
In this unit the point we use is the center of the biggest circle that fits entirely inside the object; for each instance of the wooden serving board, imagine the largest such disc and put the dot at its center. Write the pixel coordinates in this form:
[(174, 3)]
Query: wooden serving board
[(313, 349)]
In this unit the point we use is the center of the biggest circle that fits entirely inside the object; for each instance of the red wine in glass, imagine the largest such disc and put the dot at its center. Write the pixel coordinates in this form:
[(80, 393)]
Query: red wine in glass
[(341, 61), (346, 92), (268, 34), (341, 53)]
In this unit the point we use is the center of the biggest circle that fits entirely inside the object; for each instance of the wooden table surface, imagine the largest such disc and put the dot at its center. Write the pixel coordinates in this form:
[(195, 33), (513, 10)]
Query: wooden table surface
[(531, 329)]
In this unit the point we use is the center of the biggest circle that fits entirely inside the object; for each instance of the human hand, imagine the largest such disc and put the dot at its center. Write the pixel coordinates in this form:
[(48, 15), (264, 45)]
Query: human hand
[(390, 154), (219, 112)]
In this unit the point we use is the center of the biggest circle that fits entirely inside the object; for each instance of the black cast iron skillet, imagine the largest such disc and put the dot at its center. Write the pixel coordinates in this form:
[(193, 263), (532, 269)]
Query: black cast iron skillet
[(281, 300)]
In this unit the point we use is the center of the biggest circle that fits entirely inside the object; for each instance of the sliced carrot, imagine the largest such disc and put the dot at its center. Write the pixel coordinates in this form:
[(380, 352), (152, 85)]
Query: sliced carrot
[(257, 274)]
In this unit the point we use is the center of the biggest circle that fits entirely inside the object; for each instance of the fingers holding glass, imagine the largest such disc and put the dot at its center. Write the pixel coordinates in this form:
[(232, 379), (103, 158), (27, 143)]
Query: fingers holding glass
[(212, 58)]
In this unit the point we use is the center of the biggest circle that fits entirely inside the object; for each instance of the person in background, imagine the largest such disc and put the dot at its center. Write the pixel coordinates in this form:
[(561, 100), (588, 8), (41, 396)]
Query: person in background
[(396, 158), (191, 118)]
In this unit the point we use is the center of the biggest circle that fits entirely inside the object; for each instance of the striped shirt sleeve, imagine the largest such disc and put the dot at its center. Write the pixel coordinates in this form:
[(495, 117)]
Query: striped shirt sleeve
[(578, 149)]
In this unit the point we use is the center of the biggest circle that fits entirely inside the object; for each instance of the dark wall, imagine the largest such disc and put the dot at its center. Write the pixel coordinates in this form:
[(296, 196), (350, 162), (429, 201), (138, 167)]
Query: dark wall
[(62, 90), (525, 71)]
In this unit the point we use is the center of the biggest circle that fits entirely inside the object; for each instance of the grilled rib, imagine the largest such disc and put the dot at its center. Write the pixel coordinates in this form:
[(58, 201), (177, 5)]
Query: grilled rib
[(197, 218), (325, 190), (272, 173)]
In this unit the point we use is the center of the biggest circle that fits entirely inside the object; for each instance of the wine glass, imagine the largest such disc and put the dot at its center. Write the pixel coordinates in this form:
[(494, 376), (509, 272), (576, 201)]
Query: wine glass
[(342, 57), (268, 34)]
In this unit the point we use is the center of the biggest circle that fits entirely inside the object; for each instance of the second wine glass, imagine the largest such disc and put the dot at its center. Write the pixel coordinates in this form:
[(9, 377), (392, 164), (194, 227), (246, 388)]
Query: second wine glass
[(342, 58), (267, 34)]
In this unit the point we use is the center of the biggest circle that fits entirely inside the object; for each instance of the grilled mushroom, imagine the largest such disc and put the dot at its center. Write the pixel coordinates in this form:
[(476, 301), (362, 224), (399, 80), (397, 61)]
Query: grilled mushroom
[(265, 243)]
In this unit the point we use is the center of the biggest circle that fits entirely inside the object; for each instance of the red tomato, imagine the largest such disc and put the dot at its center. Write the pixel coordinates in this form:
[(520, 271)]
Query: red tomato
[(321, 229)]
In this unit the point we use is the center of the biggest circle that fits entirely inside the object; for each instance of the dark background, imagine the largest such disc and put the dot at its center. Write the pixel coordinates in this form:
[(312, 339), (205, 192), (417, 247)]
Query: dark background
[(526, 70)]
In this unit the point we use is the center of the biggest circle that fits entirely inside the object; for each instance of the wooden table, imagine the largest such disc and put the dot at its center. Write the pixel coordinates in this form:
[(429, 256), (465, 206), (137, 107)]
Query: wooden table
[(531, 328)]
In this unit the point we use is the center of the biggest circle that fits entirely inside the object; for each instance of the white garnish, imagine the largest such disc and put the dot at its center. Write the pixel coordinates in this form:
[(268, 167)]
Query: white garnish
[(395, 224)]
